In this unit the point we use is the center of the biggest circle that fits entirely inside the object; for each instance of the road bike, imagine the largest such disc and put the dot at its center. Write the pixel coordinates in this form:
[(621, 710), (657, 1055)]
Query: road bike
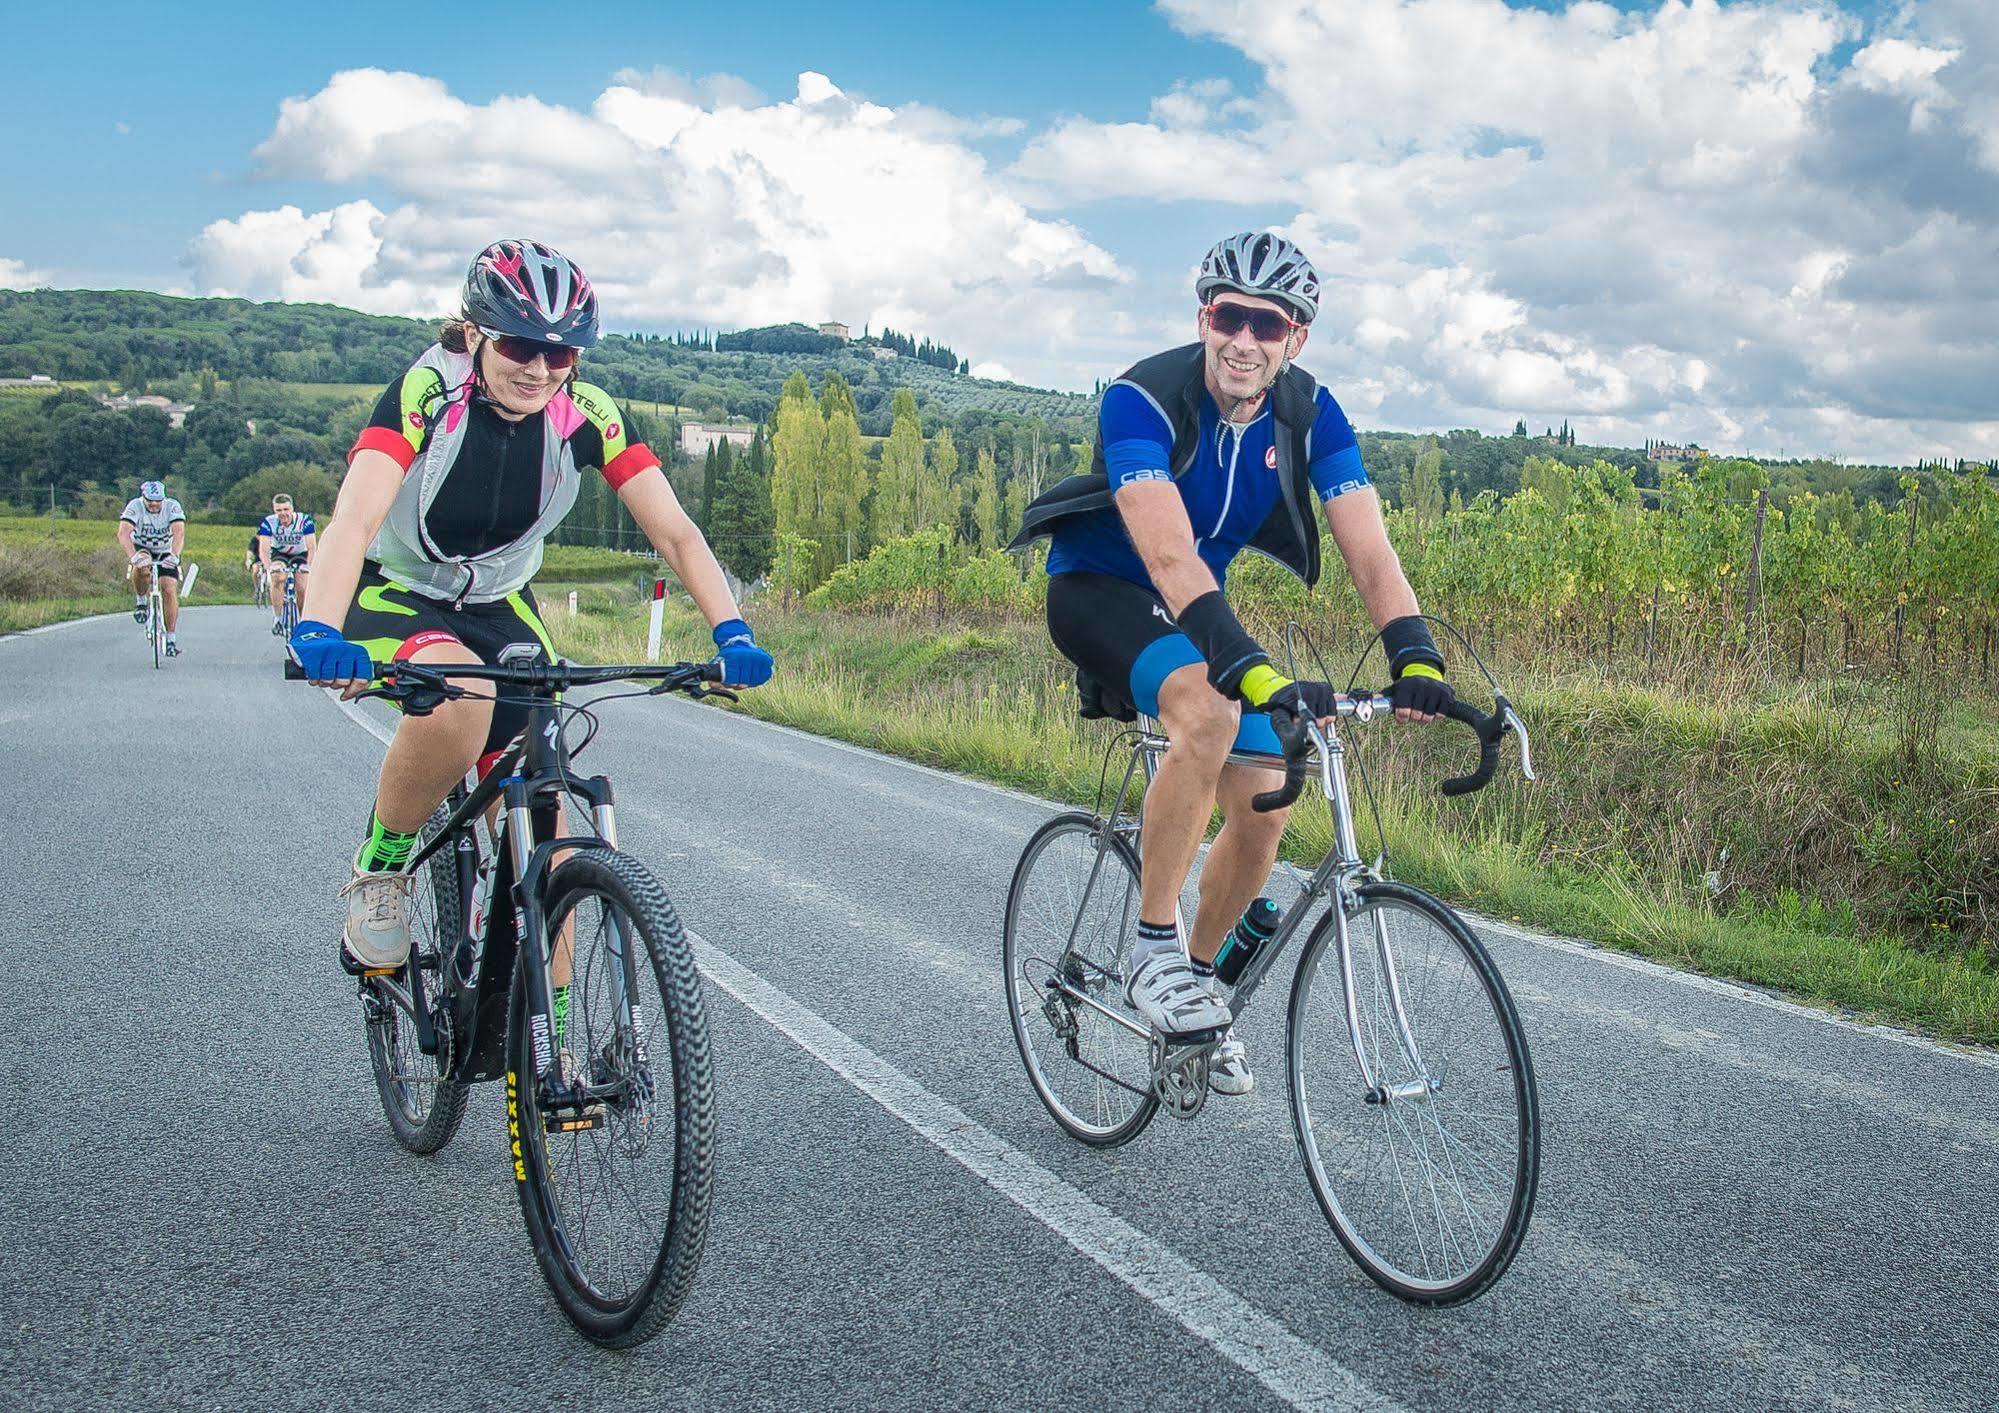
[(260, 585), (155, 622), (1412, 1089), (610, 1099), (288, 619)]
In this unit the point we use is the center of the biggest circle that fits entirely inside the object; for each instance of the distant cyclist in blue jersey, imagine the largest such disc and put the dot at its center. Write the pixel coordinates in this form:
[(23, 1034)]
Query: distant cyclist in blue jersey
[(285, 541), (1202, 452)]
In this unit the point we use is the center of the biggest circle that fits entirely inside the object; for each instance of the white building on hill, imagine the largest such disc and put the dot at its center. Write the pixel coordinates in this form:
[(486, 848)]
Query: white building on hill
[(697, 437)]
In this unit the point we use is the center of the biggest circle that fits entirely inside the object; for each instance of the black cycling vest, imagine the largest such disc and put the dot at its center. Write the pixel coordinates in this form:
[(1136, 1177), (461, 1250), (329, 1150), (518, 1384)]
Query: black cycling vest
[(1290, 535)]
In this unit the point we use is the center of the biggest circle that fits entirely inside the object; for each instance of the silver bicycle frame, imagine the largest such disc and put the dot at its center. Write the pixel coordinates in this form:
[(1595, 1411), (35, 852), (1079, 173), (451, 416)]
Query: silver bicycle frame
[(1338, 877)]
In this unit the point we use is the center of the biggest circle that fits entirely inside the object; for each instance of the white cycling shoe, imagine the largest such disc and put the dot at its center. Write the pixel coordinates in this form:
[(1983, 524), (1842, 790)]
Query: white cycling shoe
[(1228, 1067), (377, 934), (1172, 997)]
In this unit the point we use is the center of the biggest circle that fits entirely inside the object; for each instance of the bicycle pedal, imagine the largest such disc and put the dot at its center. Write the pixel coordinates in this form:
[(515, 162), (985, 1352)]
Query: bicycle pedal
[(352, 967), (576, 1121)]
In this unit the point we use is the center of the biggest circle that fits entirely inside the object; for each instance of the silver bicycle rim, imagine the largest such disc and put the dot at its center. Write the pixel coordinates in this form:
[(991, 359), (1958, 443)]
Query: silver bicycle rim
[(1092, 1088), (1421, 1190)]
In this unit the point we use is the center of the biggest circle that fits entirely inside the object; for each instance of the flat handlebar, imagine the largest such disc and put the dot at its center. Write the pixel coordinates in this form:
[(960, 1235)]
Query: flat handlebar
[(420, 688)]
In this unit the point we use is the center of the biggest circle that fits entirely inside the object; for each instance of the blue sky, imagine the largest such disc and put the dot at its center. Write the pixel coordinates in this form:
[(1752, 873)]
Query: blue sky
[(1762, 224)]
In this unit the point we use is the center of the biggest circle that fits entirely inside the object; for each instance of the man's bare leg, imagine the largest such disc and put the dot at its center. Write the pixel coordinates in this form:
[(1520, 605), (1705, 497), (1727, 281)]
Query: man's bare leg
[(1240, 858)]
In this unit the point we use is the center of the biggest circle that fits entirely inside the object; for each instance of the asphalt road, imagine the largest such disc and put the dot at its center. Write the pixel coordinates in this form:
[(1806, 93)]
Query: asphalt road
[(1743, 1205)]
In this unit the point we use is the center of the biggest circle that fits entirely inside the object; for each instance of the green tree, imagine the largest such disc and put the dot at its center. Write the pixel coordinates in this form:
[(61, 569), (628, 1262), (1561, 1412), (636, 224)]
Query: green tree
[(741, 527), (985, 502), (837, 396), (312, 490), (898, 501), (798, 453), (940, 494), (842, 532)]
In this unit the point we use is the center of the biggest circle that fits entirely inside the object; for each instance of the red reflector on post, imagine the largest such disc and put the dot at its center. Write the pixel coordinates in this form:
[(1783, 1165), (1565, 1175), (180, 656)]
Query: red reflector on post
[(659, 588)]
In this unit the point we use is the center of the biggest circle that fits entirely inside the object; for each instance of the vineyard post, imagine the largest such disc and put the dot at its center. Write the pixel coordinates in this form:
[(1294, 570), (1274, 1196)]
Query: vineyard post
[(1755, 576), (1902, 598)]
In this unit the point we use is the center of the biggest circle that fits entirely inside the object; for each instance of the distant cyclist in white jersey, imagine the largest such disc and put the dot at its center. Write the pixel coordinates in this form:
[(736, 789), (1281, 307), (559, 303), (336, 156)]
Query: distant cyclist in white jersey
[(151, 531), (285, 541)]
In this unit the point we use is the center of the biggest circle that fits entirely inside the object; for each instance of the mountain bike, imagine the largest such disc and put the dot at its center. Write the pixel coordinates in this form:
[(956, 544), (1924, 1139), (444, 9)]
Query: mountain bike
[(610, 1100), (1412, 1090)]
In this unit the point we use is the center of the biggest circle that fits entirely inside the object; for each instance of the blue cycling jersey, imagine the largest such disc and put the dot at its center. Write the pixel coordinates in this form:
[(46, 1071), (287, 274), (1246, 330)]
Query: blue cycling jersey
[(1229, 489), (288, 540)]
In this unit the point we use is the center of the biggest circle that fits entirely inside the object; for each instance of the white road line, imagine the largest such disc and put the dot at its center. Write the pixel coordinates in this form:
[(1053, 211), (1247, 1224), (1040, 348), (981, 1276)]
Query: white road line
[(1297, 1372), (66, 623)]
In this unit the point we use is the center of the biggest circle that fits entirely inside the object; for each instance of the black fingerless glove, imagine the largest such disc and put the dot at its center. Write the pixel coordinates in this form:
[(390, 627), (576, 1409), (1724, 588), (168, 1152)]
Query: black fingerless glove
[(1415, 667)]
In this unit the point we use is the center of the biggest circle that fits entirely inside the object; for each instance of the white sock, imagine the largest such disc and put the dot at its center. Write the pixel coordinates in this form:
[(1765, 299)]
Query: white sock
[(1150, 942)]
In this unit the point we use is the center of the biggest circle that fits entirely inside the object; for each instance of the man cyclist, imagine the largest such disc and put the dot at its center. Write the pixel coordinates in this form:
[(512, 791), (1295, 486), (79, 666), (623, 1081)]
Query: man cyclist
[(1204, 451), (285, 541), (472, 457), (151, 530)]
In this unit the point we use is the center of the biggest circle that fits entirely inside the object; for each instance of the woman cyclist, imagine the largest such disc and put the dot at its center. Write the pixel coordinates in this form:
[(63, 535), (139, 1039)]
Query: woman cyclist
[(471, 459)]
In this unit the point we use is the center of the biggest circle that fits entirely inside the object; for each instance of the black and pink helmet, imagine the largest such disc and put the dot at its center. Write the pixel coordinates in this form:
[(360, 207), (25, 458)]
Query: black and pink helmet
[(528, 290)]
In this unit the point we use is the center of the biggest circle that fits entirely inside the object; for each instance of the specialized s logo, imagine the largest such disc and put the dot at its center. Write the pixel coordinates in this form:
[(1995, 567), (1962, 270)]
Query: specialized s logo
[(1270, 457)]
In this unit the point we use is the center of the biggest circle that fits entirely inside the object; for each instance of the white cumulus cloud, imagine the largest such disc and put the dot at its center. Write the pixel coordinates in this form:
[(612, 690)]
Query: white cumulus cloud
[(14, 274), (686, 202)]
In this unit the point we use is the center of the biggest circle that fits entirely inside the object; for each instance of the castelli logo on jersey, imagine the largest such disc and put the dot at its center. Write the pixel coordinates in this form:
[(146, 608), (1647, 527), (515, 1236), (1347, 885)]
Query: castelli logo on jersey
[(611, 431), (1270, 458), (416, 419)]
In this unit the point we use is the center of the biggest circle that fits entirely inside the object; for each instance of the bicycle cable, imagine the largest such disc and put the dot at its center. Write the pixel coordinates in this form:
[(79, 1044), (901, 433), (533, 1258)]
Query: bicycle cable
[(1295, 632)]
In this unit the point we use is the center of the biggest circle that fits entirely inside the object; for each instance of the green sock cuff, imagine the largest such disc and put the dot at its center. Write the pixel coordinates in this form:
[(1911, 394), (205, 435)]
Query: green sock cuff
[(384, 849)]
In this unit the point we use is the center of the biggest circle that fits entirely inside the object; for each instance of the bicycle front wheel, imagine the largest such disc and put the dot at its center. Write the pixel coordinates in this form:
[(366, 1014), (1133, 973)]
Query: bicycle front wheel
[(616, 1192), (423, 1104), (1427, 1179), (1071, 916), (156, 628)]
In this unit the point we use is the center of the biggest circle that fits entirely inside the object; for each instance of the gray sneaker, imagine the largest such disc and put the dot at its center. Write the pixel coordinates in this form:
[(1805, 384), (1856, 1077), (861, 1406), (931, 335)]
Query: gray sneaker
[(1228, 1067), (1172, 998), (377, 934)]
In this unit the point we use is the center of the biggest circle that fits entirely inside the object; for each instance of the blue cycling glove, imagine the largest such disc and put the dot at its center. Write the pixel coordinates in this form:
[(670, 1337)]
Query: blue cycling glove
[(744, 664), (328, 657)]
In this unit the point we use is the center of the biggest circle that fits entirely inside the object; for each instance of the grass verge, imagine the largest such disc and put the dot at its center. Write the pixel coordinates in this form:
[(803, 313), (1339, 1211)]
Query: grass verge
[(1636, 838)]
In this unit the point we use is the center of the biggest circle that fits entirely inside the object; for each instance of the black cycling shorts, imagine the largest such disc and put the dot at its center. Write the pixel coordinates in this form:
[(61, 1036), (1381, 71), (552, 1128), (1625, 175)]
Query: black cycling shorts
[(1125, 644), (393, 622)]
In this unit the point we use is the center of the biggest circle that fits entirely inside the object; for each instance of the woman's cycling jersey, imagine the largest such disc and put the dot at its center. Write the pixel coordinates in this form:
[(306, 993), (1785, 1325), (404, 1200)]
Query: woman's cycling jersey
[(1229, 489), (287, 540), (152, 529), (480, 493)]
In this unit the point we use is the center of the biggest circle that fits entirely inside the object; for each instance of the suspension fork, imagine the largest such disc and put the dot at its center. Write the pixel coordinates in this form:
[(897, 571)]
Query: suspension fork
[(533, 926)]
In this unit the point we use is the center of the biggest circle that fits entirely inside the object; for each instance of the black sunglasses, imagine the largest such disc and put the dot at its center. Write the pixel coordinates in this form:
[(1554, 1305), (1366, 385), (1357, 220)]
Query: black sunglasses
[(518, 350), (1267, 325)]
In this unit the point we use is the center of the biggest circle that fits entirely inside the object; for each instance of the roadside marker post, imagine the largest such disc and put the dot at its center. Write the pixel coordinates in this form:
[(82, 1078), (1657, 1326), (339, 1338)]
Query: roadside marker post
[(658, 614), (572, 603)]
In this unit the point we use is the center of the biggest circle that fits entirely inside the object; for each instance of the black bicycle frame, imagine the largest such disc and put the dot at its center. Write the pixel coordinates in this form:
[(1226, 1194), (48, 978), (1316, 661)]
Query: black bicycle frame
[(528, 779)]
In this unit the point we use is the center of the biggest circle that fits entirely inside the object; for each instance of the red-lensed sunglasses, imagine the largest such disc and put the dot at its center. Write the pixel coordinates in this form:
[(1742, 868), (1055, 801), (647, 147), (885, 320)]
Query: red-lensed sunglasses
[(1268, 325), (518, 350)]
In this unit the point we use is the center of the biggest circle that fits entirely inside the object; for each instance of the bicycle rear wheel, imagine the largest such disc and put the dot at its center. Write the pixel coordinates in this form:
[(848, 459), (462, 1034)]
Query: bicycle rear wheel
[(1071, 916), (424, 1106), (1429, 1181), (617, 1199)]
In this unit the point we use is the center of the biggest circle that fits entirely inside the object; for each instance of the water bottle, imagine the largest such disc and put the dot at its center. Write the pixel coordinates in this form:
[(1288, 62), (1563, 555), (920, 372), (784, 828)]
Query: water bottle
[(1258, 922)]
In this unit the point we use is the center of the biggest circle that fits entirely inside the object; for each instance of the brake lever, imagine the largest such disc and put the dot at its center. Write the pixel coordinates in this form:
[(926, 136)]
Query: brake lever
[(699, 693), (1509, 720)]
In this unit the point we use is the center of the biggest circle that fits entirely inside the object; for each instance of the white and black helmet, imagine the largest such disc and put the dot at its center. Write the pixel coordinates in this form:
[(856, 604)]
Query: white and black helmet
[(1262, 264)]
